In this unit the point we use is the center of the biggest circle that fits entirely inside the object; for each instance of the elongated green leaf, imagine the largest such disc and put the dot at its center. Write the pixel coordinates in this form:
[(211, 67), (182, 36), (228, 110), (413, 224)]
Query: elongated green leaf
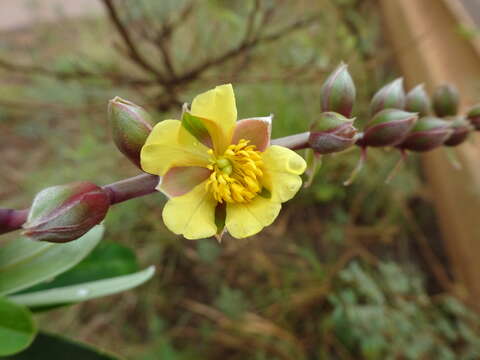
[(21, 250), (107, 260), (17, 328), (83, 292), (46, 263), (51, 347)]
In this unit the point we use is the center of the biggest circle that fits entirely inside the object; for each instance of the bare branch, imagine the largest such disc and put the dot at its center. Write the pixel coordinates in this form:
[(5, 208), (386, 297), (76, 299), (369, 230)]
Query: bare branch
[(243, 47), (162, 40), (251, 20), (133, 52)]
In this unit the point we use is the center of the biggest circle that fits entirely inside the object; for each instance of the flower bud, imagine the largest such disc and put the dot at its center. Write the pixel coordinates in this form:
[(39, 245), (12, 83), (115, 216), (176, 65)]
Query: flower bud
[(64, 213), (428, 133), (474, 116), (338, 92), (388, 128), (445, 100), (130, 126), (461, 128), (418, 101), (391, 96), (331, 132)]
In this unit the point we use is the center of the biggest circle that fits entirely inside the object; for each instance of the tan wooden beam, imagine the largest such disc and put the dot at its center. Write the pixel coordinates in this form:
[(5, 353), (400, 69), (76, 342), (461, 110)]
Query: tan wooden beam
[(429, 49)]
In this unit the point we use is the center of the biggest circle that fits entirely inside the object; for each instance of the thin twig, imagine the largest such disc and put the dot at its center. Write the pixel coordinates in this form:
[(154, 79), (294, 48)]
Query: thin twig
[(133, 52), (244, 46)]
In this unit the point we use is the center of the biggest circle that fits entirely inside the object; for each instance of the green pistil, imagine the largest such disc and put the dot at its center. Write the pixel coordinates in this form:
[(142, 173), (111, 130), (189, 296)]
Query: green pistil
[(224, 165)]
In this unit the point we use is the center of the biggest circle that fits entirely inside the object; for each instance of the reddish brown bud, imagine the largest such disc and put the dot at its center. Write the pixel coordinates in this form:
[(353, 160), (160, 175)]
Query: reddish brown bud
[(66, 212), (388, 128), (474, 116), (338, 92), (428, 133), (130, 125), (391, 96), (331, 132), (461, 128), (418, 101), (445, 100)]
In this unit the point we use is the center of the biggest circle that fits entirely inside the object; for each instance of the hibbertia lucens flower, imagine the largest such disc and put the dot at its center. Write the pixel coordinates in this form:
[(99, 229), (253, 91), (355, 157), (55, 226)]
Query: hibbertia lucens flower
[(220, 173)]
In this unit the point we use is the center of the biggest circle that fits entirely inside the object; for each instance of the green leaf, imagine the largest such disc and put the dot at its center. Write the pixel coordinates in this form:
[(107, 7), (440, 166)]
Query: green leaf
[(107, 260), (51, 347), (21, 250), (43, 262), (83, 292), (17, 328)]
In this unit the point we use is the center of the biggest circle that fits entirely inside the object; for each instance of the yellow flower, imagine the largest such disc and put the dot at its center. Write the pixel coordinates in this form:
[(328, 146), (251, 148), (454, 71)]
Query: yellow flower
[(220, 173)]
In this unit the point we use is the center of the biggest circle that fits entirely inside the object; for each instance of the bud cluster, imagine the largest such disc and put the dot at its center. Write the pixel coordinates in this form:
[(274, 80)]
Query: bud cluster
[(409, 121)]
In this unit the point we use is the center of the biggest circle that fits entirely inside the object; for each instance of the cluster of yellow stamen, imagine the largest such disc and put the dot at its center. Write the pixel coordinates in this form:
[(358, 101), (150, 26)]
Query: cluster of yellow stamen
[(236, 174)]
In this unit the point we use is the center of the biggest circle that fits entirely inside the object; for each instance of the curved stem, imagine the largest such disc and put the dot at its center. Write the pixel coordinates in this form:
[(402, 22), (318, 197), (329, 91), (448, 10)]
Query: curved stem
[(358, 167), (398, 165)]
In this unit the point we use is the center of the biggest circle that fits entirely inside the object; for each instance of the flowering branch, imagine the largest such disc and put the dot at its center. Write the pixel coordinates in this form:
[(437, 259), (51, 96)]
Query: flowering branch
[(133, 187), (398, 120)]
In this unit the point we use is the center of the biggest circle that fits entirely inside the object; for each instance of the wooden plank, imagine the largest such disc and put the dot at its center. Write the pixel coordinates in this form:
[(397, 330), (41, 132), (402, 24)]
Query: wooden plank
[(429, 49)]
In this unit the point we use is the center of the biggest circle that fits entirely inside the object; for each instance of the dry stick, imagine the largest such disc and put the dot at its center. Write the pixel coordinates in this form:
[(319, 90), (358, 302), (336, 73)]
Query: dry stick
[(133, 187)]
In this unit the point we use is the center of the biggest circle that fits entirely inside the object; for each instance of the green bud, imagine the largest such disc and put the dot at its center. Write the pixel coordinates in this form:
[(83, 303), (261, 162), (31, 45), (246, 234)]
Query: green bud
[(331, 132), (474, 116), (388, 128), (446, 100), (461, 129), (64, 213), (130, 125), (338, 92), (418, 101), (428, 133), (391, 96)]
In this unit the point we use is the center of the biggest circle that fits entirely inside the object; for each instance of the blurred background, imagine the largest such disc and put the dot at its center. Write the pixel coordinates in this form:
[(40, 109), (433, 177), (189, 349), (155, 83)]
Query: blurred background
[(359, 272)]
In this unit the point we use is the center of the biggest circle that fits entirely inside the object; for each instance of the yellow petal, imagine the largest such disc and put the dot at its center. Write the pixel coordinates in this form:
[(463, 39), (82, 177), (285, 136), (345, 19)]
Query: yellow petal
[(247, 219), (191, 215), (162, 150), (282, 168), (218, 111)]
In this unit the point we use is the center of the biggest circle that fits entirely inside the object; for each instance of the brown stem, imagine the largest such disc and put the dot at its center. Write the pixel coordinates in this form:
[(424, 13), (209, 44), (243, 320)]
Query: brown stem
[(11, 219), (294, 142), (130, 188), (133, 52)]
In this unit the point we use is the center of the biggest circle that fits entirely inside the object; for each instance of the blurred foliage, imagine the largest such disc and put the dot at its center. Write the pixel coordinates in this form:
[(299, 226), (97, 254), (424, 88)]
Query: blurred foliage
[(387, 314), (310, 286)]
